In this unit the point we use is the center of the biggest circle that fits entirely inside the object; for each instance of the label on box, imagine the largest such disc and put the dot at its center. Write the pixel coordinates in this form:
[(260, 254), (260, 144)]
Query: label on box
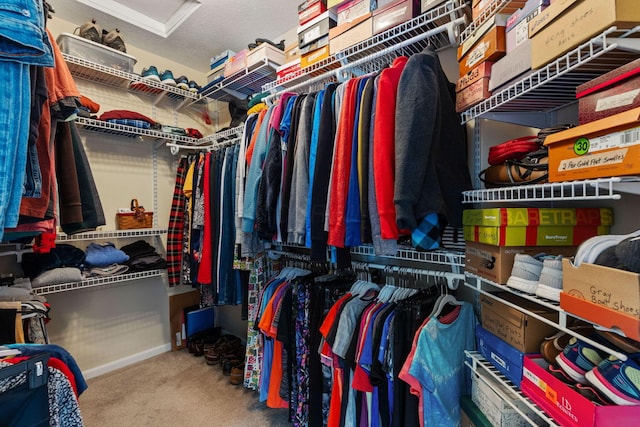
[(625, 138), (496, 358), (594, 160), (526, 373), (616, 101), (311, 35), (476, 55)]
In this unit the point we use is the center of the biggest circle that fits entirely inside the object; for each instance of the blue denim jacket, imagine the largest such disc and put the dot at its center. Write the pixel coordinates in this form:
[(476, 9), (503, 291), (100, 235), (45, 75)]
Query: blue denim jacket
[(22, 33)]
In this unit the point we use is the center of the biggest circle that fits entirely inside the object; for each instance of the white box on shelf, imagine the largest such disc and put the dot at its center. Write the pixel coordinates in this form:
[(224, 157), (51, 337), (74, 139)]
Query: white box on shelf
[(274, 55)]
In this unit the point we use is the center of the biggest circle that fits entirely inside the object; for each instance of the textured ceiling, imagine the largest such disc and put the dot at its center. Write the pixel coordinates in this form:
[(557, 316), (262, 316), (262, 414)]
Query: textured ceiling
[(216, 25)]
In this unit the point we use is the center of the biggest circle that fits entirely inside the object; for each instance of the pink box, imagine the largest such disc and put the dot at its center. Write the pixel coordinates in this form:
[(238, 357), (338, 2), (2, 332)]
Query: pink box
[(566, 406), (236, 63), (609, 94)]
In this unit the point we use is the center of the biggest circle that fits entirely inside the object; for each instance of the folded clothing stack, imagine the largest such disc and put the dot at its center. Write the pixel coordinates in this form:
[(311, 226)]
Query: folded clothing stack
[(61, 264), (143, 257)]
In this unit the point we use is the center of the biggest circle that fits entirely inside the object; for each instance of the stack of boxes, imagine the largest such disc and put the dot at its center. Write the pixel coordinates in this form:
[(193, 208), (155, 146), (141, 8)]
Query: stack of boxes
[(217, 65), (313, 33)]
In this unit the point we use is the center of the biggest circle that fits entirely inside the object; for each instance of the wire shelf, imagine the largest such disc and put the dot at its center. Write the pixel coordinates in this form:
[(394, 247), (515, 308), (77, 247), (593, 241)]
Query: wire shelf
[(590, 189), (97, 281), (402, 39), (433, 257), (496, 6), (131, 131), (478, 284), (225, 134), (113, 77), (116, 234), (246, 82), (476, 362), (554, 85)]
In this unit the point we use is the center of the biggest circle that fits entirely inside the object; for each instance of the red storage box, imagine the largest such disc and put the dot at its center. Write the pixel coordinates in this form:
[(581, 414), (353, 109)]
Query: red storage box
[(566, 406), (609, 94)]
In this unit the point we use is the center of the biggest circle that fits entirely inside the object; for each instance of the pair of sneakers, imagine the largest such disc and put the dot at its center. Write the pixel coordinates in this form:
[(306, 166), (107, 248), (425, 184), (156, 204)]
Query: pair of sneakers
[(539, 275), (620, 251), (90, 30), (612, 379), (167, 78)]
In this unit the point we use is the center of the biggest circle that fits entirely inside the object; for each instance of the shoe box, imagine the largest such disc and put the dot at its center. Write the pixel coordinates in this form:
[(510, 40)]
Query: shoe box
[(394, 14), (517, 31), (471, 415), (567, 406), (236, 63), (317, 55), (518, 329), (94, 52), (494, 263), (512, 65), (316, 29), (346, 35), (603, 148), (607, 296), (506, 358), (473, 87), (352, 10), (578, 24), (426, 5), (310, 9), (220, 59), (612, 93), (543, 235), (265, 53), (490, 47), (288, 70), (495, 400)]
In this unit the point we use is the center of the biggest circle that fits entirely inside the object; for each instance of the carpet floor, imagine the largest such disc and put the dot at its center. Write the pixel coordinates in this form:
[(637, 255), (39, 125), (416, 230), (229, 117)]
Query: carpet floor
[(173, 389)]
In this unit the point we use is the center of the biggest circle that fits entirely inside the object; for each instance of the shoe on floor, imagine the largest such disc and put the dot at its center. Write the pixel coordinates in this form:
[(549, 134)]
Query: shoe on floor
[(237, 374), (619, 381), (578, 358), (525, 274), (167, 78), (550, 283), (90, 31)]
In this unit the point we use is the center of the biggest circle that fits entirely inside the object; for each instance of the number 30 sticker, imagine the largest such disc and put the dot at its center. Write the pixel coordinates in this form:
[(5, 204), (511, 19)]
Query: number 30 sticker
[(581, 146)]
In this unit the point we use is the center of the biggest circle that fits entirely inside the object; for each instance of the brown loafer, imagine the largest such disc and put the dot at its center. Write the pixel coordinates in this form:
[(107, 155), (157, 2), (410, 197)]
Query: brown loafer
[(237, 374)]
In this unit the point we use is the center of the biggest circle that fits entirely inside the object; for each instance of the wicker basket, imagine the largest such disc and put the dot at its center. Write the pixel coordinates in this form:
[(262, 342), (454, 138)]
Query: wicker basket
[(138, 218)]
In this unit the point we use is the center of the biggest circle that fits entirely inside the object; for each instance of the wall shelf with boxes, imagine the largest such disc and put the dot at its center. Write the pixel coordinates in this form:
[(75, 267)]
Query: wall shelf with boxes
[(209, 142), (554, 85), (436, 27), (246, 81), (494, 7), (479, 365)]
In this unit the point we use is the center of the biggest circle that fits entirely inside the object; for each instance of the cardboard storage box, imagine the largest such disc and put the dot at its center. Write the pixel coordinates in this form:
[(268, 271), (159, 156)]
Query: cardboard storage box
[(479, 7), (518, 329), (490, 47), (316, 28), (265, 52), (568, 407), (291, 52), (177, 304), (512, 65), (311, 58), (603, 148), (537, 216), (497, 20), (352, 10), (394, 14), (613, 288), (507, 359), (612, 93), (310, 9), (94, 52), (548, 15), (426, 5), (288, 69), (578, 24), (216, 75), (496, 262), (236, 63), (484, 393), (357, 31), (473, 94), (600, 314), (517, 30), (480, 72), (544, 235), (321, 42)]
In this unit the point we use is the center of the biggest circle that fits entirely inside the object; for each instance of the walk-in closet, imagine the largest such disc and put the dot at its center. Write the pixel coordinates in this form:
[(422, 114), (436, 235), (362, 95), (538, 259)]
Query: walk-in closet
[(320, 213)]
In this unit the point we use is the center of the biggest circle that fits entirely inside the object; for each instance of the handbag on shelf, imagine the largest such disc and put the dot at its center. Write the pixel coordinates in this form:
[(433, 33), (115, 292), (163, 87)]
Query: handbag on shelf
[(137, 218), (533, 168)]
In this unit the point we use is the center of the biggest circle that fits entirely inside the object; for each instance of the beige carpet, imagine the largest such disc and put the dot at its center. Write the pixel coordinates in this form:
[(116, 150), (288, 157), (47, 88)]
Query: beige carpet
[(173, 389)]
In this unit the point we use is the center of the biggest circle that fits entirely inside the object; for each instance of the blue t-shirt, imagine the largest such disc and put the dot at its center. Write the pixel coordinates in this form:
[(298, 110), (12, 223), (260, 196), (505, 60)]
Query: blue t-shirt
[(443, 378)]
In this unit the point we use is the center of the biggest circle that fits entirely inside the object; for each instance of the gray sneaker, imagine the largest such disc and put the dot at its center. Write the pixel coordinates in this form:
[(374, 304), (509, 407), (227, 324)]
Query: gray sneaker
[(550, 283), (525, 274)]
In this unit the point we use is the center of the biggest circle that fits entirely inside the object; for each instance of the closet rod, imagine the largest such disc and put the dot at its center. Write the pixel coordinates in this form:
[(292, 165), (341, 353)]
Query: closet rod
[(450, 27), (449, 276)]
